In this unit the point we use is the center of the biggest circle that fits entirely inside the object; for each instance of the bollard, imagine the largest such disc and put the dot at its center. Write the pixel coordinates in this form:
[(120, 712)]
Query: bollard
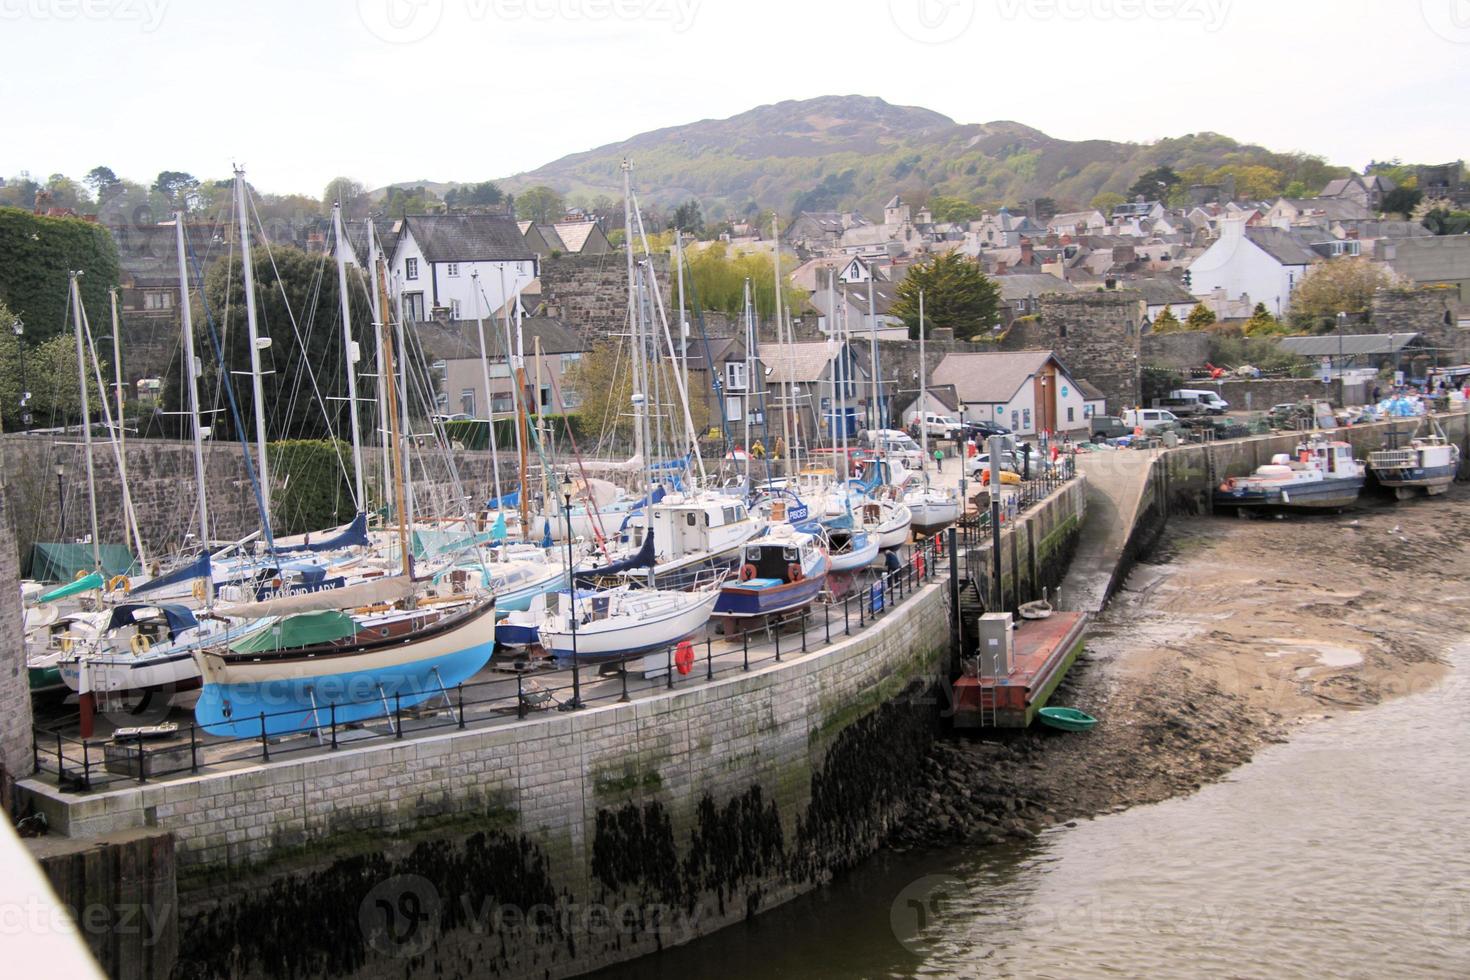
[(709, 661), (777, 635), (623, 676), (460, 688), (670, 675), (827, 621), (397, 714), (846, 617), (520, 697), (745, 649), (86, 765)]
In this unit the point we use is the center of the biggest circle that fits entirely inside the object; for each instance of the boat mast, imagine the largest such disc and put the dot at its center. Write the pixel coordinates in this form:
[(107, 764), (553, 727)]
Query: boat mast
[(349, 348), (527, 406), (395, 450), (878, 420), (405, 461), (130, 514), (683, 319), (923, 399), (190, 368), (257, 344), (489, 398), (76, 316), (379, 315), (785, 404)]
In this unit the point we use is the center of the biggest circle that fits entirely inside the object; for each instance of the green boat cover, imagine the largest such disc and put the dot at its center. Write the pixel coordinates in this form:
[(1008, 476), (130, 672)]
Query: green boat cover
[(84, 584), (60, 561), (431, 544), (298, 631)]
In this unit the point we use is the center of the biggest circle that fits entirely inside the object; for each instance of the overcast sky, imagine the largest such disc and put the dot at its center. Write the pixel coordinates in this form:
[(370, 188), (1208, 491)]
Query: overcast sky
[(390, 90)]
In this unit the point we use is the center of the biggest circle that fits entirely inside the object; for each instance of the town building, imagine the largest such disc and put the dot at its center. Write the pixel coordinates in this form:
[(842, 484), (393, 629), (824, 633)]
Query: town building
[(455, 266), (1028, 391)]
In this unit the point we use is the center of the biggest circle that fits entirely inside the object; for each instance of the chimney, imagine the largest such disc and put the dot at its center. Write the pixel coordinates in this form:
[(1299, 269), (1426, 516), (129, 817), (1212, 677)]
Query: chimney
[(1026, 252), (1232, 229), (1352, 234), (1000, 267)]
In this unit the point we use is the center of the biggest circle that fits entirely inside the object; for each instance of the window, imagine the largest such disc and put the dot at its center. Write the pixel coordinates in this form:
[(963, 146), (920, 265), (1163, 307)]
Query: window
[(735, 375), (413, 306), (467, 401), (410, 268), (158, 300), (504, 403), (1071, 413), (451, 269), (454, 309), (734, 408)]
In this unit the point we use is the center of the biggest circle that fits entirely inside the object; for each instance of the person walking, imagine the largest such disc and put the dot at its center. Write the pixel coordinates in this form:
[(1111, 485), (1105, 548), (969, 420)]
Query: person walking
[(938, 460)]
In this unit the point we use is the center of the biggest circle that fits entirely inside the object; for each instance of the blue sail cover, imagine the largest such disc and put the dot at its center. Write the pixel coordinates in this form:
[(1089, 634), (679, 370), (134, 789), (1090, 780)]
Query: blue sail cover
[(353, 535), (643, 559), (512, 499), (657, 495), (198, 568), (179, 618)]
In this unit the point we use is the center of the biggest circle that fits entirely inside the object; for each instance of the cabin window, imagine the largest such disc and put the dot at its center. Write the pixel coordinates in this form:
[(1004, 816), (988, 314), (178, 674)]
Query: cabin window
[(689, 519), (410, 268), (730, 517)]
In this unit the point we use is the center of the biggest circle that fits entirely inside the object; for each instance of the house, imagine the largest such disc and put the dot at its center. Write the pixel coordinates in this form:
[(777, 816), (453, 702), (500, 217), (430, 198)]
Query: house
[(1020, 292), (582, 237), (1314, 210), (853, 309), (999, 230), (819, 231), (1094, 402), (807, 369), (440, 258), (813, 274), (1400, 351), (1442, 260), (1077, 223), (1367, 192), (1160, 294), (896, 213), (725, 390), (1253, 265), (936, 399), (1028, 391), (452, 350)]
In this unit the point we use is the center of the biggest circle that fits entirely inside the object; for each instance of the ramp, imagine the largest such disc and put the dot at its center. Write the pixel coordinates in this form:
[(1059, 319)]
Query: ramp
[(1115, 485)]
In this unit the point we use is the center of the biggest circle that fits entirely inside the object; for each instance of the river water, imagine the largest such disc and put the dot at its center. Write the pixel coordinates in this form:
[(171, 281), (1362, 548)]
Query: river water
[(1341, 853)]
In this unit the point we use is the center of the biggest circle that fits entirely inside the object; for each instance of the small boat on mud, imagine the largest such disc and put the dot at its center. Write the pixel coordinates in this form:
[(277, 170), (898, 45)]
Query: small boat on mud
[(1323, 475), (1066, 719), (1428, 463)]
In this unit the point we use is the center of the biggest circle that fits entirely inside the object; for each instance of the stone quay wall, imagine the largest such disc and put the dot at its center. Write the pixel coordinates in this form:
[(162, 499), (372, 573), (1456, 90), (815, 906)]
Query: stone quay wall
[(15, 693)]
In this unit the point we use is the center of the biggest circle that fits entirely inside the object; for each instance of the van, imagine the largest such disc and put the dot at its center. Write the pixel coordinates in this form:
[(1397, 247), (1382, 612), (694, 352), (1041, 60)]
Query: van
[(1212, 401), (1149, 419), (944, 426), (1186, 407), (1109, 427), (893, 444)]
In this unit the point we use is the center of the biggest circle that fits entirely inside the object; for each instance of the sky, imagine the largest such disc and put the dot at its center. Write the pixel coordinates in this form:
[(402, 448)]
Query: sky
[(300, 91)]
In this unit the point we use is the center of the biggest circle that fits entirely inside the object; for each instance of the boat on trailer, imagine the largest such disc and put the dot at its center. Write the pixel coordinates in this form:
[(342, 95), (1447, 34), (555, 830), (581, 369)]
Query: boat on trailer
[(1323, 475)]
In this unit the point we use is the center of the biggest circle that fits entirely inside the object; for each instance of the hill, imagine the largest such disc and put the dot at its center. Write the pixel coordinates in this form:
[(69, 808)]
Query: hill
[(856, 151)]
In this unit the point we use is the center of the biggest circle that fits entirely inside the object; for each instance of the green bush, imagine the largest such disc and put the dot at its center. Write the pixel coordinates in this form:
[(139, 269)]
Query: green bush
[(36, 255)]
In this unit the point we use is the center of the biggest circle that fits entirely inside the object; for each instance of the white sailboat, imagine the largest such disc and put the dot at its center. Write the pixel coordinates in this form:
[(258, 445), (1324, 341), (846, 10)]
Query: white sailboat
[(933, 508)]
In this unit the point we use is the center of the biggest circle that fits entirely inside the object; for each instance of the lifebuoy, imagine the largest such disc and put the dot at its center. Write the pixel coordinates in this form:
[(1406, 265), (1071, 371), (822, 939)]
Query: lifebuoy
[(119, 582), (81, 574), (199, 589), (67, 642), (684, 657), (140, 643), (747, 572), (794, 572)]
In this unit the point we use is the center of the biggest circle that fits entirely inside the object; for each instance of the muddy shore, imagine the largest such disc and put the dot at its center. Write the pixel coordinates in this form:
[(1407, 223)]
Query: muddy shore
[(1231, 635)]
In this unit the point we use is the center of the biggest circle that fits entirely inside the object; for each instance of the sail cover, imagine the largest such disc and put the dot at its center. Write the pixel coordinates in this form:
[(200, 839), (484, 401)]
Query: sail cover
[(305, 630), (369, 593), (198, 568)]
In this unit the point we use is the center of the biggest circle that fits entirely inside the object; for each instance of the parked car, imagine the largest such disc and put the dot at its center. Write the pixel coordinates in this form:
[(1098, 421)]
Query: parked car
[(1150, 419), (1023, 459), (944, 426), (1109, 427), (984, 430), (1212, 401)]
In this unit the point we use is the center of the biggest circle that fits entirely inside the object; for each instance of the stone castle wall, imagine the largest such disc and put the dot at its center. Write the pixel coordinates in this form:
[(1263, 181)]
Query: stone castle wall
[(1095, 335), (1433, 312)]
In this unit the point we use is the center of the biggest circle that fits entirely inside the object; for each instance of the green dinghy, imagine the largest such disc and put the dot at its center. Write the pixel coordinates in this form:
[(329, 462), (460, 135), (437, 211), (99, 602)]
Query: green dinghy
[(1067, 719)]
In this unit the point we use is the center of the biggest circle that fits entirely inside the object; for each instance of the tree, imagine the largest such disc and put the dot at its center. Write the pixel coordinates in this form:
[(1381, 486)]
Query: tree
[(101, 180), (66, 193), (350, 194), (1402, 201), (39, 252), (1447, 221), (1046, 208), (1167, 322), (1155, 184), (956, 294), (1200, 317), (50, 376), (482, 195), (175, 185), (540, 204), (1254, 182), (402, 201), (1338, 286), (718, 276), (954, 209), (603, 381), (687, 218), (1107, 200), (1263, 324)]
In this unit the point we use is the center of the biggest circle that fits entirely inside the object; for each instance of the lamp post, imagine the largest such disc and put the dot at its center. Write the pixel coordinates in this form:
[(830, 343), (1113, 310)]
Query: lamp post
[(25, 396), (566, 496), (1341, 322)]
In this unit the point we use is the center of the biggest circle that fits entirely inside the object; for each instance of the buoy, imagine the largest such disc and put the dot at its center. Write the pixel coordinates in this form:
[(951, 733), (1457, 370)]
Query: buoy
[(747, 572), (794, 572), (140, 643), (684, 657), (119, 582), (199, 589)]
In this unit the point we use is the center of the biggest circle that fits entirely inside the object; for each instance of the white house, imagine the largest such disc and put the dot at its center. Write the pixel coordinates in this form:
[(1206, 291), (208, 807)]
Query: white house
[(1028, 391), (1262, 265), (437, 257)]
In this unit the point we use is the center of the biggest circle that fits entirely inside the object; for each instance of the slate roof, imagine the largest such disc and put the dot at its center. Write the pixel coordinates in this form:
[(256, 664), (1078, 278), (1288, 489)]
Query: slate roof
[(1021, 285), (990, 378), (1089, 391), (798, 363), (574, 234), (1159, 292), (1441, 258), (1326, 345), (460, 339), (468, 238), (1281, 245)]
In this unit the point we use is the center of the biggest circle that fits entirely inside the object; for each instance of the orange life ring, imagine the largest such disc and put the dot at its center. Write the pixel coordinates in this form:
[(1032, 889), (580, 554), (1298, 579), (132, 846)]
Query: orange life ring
[(684, 657), (794, 572), (747, 572)]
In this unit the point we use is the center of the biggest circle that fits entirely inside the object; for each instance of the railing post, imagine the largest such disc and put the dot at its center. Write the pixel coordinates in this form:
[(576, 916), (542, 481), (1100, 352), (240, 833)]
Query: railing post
[(745, 649), (709, 660), (61, 759), (459, 689), (193, 748), (265, 749), (801, 617), (827, 620), (670, 675), (332, 715), (862, 611), (777, 636), (398, 714), (623, 675), (520, 696), (86, 765), (846, 616)]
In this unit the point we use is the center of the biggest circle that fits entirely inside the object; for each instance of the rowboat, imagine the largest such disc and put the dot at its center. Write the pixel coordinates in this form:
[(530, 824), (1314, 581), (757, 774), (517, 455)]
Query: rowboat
[(1066, 719)]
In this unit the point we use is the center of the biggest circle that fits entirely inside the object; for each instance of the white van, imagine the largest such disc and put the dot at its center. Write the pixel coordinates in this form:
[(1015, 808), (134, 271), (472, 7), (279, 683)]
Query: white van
[(945, 426), (1211, 400), (893, 444), (1149, 419)]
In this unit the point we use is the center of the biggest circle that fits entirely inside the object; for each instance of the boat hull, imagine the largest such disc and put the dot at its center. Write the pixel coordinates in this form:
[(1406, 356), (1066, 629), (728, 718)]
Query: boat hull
[(297, 694), (740, 601), (1427, 477), (620, 640), (1318, 495), (860, 556)]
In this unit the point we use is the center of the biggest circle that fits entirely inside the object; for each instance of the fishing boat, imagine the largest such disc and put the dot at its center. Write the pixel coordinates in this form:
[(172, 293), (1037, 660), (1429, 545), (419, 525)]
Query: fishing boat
[(782, 572), (1066, 719), (1428, 463), (1322, 475)]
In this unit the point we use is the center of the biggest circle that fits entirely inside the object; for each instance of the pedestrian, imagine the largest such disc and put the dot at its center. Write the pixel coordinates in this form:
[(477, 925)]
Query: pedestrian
[(938, 460)]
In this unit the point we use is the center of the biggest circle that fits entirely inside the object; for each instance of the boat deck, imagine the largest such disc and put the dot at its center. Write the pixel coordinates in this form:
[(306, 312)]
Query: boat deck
[(1044, 650)]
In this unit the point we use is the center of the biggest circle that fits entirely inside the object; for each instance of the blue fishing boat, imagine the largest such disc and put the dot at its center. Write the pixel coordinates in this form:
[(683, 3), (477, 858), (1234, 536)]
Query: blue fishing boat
[(782, 572)]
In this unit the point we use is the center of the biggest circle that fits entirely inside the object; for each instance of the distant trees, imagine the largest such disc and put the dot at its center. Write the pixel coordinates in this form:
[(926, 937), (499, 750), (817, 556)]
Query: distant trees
[(351, 194), (486, 194), (540, 204), (955, 209), (176, 185), (1402, 201), (1338, 286), (401, 201), (1200, 317), (956, 294), (1263, 324), (39, 252), (1167, 322), (50, 376), (1155, 184), (101, 180), (1107, 200), (719, 275), (603, 382), (687, 218), (1446, 221)]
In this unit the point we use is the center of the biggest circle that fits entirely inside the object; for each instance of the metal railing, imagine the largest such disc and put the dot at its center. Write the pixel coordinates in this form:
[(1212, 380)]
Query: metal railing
[(87, 764)]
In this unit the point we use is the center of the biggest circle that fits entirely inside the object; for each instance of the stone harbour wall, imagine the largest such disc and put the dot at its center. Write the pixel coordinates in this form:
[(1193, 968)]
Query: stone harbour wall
[(15, 695)]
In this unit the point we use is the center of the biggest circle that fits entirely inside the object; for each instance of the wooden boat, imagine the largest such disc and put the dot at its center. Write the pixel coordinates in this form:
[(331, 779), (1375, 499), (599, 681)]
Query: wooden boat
[(783, 572), (1066, 719)]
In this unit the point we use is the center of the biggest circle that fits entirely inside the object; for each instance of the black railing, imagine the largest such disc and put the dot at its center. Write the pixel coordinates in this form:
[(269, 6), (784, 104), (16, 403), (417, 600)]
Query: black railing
[(87, 764)]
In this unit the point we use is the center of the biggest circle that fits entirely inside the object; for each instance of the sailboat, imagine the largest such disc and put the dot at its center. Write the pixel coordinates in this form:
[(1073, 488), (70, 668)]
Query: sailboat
[(933, 508), (352, 654)]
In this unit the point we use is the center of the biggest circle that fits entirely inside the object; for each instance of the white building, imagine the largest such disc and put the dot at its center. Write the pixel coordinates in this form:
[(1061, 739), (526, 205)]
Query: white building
[(1259, 265), (1028, 391), (437, 257)]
